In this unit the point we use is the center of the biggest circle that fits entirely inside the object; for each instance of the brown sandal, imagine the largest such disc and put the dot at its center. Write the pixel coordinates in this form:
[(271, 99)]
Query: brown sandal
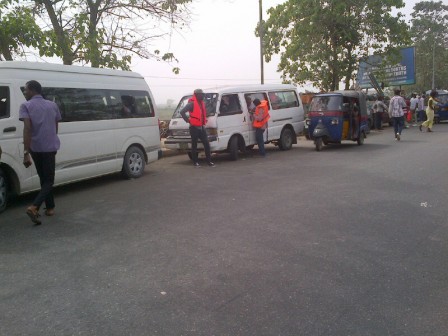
[(33, 214), (49, 212)]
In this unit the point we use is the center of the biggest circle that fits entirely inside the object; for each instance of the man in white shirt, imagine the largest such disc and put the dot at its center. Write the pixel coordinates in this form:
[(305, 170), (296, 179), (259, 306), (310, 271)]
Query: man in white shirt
[(413, 108), (421, 108)]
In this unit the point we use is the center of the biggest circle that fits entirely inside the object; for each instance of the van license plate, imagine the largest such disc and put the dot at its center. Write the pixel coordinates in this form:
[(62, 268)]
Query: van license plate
[(183, 146)]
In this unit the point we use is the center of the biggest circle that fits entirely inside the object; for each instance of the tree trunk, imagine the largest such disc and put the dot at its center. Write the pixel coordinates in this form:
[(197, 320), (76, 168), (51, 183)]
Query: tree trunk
[(6, 53), (93, 47), (64, 46)]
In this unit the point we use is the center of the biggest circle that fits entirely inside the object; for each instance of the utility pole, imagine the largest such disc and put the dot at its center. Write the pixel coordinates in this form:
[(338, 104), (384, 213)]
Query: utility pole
[(261, 33), (433, 64)]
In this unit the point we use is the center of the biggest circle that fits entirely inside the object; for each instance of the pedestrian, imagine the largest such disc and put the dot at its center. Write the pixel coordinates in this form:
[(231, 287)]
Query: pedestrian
[(405, 110), (378, 109), (413, 108), (260, 123), (197, 121), (430, 112), (40, 143), (421, 108), (396, 113)]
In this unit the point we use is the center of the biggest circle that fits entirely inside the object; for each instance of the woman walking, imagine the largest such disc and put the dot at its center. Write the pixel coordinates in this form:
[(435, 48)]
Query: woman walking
[(430, 112)]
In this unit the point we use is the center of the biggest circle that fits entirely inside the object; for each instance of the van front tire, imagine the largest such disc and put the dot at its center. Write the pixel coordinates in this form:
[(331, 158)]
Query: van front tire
[(133, 163), (234, 148), (4, 193)]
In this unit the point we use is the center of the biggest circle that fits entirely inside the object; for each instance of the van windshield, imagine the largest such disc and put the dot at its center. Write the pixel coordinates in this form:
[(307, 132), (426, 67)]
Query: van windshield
[(210, 100), (326, 103)]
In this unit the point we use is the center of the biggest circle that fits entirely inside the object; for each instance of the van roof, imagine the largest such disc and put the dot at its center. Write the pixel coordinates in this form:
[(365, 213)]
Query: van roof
[(41, 66), (248, 88)]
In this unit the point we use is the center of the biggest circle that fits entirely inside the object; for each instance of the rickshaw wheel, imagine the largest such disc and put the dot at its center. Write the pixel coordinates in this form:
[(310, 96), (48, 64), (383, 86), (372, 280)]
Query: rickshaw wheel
[(318, 143), (361, 139)]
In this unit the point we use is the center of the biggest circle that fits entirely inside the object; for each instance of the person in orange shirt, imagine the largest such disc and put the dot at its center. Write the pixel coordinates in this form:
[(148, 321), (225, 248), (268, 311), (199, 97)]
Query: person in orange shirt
[(260, 123)]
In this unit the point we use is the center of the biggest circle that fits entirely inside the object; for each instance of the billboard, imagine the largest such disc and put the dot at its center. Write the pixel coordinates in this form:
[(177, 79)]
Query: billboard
[(402, 73)]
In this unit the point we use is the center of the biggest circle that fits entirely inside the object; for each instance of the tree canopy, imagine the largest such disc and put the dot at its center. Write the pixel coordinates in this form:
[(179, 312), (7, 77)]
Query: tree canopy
[(102, 33), (429, 29), (323, 41), (18, 31)]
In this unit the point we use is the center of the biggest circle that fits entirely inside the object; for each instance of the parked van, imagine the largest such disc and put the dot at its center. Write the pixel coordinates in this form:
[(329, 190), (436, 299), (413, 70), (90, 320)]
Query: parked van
[(109, 123), (229, 124)]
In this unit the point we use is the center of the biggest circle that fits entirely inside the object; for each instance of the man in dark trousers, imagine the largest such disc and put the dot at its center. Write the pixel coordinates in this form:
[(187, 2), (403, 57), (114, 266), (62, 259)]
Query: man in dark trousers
[(197, 121), (41, 142), (260, 123)]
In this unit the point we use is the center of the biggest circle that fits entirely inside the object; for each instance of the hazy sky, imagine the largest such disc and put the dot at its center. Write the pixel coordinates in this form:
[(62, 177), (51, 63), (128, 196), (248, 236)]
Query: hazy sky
[(219, 48)]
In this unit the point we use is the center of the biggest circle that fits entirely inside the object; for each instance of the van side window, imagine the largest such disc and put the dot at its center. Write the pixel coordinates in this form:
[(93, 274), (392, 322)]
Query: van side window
[(230, 104), (250, 97), (283, 99), (77, 104), (4, 102)]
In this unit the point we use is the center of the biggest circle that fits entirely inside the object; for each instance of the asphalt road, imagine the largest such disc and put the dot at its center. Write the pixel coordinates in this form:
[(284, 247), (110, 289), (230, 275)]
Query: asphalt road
[(348, 241)]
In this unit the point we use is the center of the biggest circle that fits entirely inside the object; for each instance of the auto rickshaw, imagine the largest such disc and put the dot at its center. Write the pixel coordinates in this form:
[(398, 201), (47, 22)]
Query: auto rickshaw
[(441, 111), (337, 116)]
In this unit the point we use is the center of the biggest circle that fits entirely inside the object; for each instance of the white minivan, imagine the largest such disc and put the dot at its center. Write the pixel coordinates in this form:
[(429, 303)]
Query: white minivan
[(229, 122), (109, 123)]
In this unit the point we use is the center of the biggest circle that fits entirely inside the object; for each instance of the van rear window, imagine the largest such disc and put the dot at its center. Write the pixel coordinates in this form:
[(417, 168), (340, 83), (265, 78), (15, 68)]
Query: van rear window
[(283, 99)]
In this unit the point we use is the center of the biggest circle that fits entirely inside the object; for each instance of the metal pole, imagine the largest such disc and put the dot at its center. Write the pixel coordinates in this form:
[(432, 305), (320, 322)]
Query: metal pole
[(433, 64), (261, 32)]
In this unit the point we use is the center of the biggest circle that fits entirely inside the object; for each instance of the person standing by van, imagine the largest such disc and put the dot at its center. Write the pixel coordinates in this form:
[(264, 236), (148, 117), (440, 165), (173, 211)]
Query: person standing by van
[(260, 122), (378, 109), (421, 108), (41, 142), (413, 108), (197, 121)]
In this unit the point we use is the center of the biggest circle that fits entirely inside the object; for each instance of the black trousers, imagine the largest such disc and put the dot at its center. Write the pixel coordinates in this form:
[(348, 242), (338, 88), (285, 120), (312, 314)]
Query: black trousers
[(197, 133), (45, 163)]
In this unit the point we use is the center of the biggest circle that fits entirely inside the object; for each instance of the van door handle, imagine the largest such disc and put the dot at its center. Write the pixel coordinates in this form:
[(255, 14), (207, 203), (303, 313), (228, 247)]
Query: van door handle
[(9, 129)]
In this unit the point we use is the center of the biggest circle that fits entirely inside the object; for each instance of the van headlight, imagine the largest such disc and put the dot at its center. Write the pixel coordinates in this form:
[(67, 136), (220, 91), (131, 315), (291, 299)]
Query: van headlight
[(212, 131)]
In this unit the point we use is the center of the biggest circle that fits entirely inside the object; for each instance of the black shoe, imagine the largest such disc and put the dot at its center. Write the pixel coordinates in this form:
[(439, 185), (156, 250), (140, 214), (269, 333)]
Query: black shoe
[(196, 164), (211, 164), (420, 128)]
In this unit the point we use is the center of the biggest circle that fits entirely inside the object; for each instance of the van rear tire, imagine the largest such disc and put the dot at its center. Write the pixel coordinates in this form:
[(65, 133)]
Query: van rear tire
[(286, 139), (4, 191), (133, 163)]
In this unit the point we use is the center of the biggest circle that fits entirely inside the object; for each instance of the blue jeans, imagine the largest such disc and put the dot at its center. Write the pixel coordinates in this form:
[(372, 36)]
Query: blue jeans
[(398, 124), (260, 140)]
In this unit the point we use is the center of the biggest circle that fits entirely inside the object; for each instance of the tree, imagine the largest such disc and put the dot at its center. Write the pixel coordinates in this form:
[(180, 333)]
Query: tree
[(430, 35), (18, 31), (323, 41), (106, 33)]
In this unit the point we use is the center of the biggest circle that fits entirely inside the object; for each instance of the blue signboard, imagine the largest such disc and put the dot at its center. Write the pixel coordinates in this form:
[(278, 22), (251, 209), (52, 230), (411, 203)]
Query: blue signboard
[(402, 73)]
